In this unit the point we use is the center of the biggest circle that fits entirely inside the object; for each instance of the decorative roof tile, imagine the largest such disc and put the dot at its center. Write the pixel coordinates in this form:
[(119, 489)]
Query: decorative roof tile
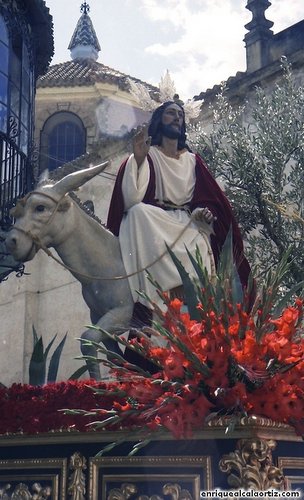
[(85, 72)]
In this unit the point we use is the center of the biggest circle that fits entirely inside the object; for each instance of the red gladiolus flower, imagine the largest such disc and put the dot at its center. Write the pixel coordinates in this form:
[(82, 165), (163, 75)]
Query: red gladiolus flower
[(122, 407), (173, 366), (286, 324), (185, 415)]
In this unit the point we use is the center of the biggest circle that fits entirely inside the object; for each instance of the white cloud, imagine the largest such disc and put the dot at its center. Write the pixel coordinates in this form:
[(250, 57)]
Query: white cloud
[(209, 40), (173, 11), (285, 14), (207, 37)]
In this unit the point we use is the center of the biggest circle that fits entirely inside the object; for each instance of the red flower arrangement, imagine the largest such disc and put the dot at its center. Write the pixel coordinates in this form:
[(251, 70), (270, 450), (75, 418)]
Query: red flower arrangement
[(33, 409), (223, 356)]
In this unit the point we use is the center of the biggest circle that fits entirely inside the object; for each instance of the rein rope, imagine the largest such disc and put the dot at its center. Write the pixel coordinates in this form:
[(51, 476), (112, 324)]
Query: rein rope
[(37, 242)]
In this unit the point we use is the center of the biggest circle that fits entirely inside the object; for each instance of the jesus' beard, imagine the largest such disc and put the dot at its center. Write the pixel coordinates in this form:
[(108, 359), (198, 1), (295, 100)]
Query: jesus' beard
[(170, 131)]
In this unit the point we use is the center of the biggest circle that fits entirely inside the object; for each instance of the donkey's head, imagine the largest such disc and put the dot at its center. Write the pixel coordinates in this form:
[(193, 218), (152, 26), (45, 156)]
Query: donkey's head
[(43, 217)]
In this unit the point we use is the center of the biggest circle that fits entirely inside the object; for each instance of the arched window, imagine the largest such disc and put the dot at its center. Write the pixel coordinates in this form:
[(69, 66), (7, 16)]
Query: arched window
[(63, 138)]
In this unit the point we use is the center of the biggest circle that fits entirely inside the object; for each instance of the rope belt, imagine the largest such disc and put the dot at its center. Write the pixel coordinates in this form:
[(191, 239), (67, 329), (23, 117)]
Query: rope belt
[(168, 205)]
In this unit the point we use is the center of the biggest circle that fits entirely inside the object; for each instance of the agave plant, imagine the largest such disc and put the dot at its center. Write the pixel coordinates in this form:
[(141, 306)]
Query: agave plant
[(38, 373)]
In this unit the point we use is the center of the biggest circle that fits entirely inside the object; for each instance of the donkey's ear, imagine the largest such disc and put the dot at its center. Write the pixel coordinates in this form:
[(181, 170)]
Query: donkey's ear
[(76, 179)]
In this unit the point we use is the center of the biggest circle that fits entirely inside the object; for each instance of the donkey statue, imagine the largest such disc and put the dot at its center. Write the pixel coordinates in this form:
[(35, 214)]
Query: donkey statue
[(49, 217)]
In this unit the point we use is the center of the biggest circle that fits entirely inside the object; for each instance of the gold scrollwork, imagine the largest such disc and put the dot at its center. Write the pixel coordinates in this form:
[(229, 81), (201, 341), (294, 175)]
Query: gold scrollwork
[(127, 490), (123, 493), (176, 492), (77, 486), (22, 491), (251, 465)]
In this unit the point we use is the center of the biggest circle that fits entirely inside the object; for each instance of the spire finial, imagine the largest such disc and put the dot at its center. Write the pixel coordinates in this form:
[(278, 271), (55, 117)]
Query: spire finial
[(85, 8), (84, 42)]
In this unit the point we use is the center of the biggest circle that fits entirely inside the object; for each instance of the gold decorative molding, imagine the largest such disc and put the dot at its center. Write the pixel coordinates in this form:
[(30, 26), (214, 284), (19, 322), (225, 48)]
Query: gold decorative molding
[(77, 480), (291, 463), (295, 479), (182, 477), (246, 421), (127, 490), (52, 471), (251, 465), (251, 426)]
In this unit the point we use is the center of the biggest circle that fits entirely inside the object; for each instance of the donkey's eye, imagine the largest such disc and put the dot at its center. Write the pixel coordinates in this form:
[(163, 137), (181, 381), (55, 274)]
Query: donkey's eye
[(40, 208)]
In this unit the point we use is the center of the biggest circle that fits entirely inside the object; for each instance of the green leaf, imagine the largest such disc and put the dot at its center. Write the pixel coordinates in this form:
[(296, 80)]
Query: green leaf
[(225, 263), (284, 301), (125, 343), (80, 371), (250, 292), (37, 367), (35, 335), (269, 294), (138, 446), (55, 359), (236, 286), (227, 270), (110, 447), (47, 350), (199, 267), (190, 289)]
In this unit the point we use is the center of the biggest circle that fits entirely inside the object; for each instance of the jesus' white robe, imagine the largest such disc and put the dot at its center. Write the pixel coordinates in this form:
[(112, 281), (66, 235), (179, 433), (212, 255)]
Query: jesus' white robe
[(146, 229)]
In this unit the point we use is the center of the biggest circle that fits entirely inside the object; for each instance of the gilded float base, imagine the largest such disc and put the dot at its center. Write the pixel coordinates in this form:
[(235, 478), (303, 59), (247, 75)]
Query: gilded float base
[(245, 454)]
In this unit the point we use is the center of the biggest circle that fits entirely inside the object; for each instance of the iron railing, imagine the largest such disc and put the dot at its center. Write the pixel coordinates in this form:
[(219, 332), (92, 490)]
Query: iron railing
[(16, 177)]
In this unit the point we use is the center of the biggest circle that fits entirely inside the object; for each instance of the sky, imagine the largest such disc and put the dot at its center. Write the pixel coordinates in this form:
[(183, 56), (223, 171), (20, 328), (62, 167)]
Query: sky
[(200, 42)]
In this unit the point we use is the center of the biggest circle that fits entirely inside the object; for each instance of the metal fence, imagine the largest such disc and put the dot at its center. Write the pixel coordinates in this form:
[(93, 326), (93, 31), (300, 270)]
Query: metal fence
[(15, 177)]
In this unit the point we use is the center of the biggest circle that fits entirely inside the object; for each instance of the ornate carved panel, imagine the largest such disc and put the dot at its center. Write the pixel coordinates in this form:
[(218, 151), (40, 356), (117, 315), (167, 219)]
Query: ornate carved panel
[(147, 478), (33, 478), (251, 465)]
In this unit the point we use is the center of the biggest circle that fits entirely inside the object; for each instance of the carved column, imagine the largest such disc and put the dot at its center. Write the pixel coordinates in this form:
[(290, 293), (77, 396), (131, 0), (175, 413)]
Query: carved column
[(77, 480)]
